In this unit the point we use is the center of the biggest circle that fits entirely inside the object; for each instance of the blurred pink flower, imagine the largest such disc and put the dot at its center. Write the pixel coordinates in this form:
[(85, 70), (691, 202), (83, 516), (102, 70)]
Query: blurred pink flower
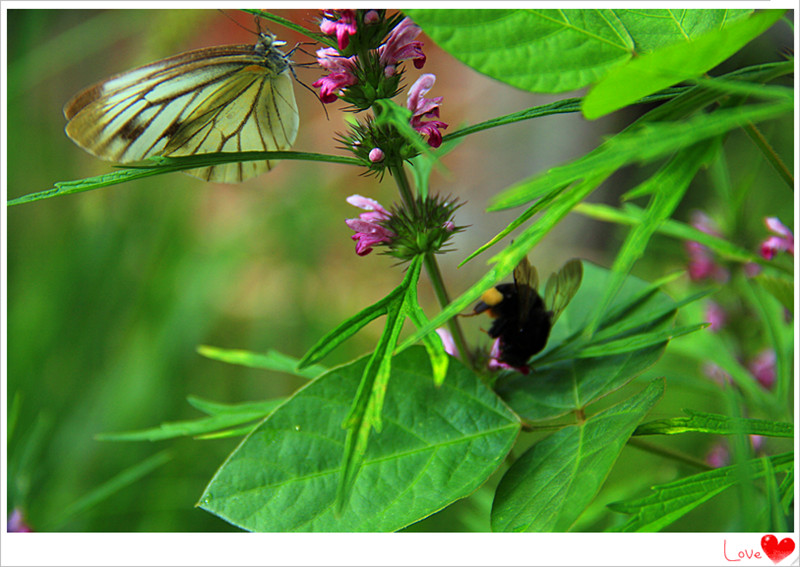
[(718, 456), (16, 523), (496, 364), (774, 244), (715, 315), (762, 367)]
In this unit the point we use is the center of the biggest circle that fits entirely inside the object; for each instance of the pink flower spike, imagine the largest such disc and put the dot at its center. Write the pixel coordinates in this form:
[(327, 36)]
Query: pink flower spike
[(425, 108), (447, 341), (344, 26), (400, 45)]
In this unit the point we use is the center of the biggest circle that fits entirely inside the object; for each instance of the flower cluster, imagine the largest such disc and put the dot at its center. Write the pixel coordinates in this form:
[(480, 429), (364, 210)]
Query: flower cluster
[(406, 231), (366, 68)]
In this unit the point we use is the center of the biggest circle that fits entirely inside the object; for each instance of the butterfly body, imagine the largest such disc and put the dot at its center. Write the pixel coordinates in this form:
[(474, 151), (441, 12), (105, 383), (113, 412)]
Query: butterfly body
[(234, 98)]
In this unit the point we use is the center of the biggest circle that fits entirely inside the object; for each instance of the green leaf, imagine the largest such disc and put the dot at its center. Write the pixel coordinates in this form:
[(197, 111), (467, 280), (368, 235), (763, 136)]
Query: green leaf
[(110, 487), (271, 360), (673, 500), (702, 422), (564, 380), (349, 328), (641, 76), (786, 490), (162, 165), (195, 427), (365, 412), (780, 288), (668, 186), (641, 143), (560, 50), (437, 445), (216, 408), (555, 480), (632, 215)]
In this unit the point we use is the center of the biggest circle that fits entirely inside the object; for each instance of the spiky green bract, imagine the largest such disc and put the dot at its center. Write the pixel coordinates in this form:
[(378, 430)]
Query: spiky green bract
[(422, 228), (369, 134)]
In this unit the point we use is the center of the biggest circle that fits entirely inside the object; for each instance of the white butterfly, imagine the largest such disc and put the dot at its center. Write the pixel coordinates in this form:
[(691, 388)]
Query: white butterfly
[(232, 98)]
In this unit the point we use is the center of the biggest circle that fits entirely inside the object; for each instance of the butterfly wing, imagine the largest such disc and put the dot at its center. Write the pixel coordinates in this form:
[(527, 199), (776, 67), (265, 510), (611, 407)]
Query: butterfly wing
[(228, 98), (562, 286)]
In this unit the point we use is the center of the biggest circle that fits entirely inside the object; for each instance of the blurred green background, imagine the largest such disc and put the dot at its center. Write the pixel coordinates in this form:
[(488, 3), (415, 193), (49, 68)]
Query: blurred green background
[(111, 291)]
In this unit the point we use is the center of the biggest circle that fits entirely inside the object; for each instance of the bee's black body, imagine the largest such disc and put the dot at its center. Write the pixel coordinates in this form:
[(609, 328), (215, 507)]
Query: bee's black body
[(521, 334)]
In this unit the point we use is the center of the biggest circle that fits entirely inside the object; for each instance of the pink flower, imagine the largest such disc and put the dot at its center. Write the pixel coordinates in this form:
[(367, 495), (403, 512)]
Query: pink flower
[(701, 261), (400, 45), (425, 108), (775, 244), (716, 373), (448, 342), (344, 26), (341, 73), (369, 231), (16, 523), (715, 315), (371, 17), (762, 367), (496, 364), (718, 456)]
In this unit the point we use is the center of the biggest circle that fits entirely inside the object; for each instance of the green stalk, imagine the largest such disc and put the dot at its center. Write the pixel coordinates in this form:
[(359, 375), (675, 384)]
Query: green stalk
[(432, 267), (770, 154)]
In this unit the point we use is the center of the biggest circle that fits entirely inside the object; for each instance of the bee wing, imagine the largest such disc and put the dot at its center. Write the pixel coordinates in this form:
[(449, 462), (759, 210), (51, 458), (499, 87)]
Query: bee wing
[(562, 286), (527, 281), (228, 98)]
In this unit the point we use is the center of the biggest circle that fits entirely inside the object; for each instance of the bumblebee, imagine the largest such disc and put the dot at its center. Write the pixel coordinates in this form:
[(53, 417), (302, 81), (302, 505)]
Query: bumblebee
[(522, 319)]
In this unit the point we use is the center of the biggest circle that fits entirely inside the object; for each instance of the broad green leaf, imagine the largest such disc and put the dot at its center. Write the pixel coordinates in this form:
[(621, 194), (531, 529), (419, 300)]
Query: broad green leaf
[(673, 500), (549, 486), (563, 380), (437, 445), (645, 142), (271, 360), (651, 72), (560, 50), (702, 422)]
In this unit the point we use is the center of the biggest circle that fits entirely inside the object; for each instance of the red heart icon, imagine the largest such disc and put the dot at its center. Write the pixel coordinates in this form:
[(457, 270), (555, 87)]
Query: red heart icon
[(775, 550)]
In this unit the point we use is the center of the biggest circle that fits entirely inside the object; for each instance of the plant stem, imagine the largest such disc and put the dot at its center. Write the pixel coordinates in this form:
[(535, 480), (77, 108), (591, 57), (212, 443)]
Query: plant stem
[(772, 157), (668, 453), (432, 267), (399, 174)]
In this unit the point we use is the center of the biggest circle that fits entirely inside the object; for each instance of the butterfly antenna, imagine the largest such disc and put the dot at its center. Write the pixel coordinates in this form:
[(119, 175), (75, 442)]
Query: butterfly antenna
[(231, 18)]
